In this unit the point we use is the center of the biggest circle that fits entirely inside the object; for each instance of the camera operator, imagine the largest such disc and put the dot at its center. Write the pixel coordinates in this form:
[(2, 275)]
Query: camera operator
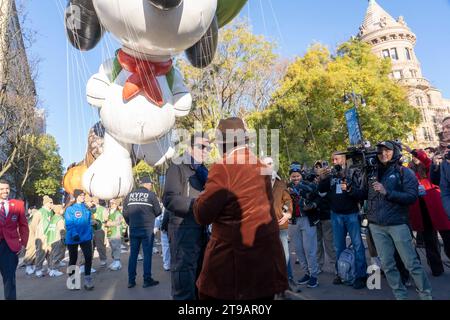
[(324, 227), (335, 184), (445, 166), (390, 193), (304, 231)]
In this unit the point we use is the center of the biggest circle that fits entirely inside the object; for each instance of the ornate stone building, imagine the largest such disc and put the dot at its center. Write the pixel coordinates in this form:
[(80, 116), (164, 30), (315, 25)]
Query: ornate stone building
[(393, 39)]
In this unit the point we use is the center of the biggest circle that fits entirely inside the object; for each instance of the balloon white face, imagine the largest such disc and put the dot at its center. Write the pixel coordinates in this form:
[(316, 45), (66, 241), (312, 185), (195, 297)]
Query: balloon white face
[(143, 28), (137, 121)]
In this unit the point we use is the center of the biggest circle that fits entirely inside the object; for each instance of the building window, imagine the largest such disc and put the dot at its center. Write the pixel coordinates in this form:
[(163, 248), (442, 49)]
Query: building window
[(430, 102), (394, 54), (427, 134), (408, 53), (413, 73), (386, 53), (398, 74), (419, 101)]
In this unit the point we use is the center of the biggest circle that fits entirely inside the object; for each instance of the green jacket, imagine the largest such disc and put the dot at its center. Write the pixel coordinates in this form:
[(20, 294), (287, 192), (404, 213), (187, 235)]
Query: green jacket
[(46, 217), (53, 234), (100, 216), (115, 231)]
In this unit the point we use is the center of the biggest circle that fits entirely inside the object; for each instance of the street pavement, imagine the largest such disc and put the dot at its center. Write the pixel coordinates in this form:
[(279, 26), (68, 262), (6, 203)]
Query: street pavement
[(112, 285)]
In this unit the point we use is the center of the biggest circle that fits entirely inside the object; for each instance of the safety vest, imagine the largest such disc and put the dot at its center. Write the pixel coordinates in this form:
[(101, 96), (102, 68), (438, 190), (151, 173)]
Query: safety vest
[(51, 233), (46, 216), (115, 231)]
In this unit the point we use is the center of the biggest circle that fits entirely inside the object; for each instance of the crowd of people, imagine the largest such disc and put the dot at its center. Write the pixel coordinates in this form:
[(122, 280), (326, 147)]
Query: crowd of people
[(227, 232)]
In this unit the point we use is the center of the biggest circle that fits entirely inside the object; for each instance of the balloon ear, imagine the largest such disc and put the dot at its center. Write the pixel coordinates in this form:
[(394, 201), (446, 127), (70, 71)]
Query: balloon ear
[(202, 53), (83, 27)]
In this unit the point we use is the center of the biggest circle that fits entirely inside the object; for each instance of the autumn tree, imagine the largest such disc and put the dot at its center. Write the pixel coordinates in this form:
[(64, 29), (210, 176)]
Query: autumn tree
[(308, 108), (240, 79)]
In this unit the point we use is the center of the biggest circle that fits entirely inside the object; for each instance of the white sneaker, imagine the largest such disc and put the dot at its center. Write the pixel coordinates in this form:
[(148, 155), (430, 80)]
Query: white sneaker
[(102, 263), (29, 270), (62, 264), (82, 269), (140, 257), (115, 266), (39, 273), (57, 273), (50, 272)]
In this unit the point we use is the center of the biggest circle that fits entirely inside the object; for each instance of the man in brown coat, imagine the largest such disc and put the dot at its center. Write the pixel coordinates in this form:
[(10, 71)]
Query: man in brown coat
[(244, 258)]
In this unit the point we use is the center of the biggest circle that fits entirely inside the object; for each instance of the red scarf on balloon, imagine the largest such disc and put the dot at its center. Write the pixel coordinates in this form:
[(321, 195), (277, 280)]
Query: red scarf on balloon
[(143, 77)]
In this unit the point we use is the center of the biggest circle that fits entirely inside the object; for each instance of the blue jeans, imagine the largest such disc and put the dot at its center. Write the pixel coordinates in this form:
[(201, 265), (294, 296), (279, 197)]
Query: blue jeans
[(284, 241), (145, 237), (386, 239), (165, 250), (307, 247), (349, 223)]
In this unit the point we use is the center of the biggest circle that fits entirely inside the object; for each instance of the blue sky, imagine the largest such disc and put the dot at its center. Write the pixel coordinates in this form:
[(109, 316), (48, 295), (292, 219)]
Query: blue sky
[(293, 24)]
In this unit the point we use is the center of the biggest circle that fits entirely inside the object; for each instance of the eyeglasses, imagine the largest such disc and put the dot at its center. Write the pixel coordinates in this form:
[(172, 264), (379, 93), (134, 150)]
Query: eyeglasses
[(202, 146)]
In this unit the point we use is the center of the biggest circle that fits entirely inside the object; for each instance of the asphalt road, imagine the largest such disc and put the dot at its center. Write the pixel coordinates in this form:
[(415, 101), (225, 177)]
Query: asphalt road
[(112, 285)]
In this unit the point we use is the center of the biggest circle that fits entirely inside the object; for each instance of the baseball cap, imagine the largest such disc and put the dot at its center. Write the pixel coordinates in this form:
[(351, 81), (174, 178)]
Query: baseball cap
[(387, 144), (145, 180)]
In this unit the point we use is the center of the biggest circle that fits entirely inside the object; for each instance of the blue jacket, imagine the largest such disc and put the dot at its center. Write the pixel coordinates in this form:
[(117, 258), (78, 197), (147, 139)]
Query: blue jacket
[(402, 191), (78, 224), (445, 186)]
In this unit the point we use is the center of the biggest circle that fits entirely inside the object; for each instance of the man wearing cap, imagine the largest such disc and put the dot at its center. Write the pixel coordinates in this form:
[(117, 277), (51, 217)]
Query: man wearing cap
[(40, 224), (389, 195), (13, 238), (140, 208), (187, 238), (244, 259)]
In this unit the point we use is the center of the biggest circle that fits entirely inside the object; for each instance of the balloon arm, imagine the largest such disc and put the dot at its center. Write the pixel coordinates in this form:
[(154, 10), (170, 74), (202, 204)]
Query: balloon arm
[(98, 85), (182, 99), (110, 176)]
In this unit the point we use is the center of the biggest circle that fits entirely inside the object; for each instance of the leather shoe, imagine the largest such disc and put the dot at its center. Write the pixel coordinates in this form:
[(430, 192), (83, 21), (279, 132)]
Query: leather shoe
[(150, 283), (131, 285)]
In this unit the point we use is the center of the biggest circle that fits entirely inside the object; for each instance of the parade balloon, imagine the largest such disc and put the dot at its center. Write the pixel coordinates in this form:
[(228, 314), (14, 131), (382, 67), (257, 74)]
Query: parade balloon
[(202, 53), (82, 26), (95, 143), (139, 91), (73, 178)]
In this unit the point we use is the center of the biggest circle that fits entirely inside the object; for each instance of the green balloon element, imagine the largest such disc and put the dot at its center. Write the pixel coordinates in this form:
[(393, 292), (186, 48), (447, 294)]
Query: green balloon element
[(227, 10)]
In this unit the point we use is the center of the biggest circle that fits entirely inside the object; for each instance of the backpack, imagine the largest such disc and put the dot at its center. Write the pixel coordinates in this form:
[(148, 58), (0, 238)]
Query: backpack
[(346, 266)]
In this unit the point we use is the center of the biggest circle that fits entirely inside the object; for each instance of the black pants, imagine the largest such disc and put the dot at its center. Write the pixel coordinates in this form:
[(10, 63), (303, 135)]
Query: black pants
[(187, 246), (432, 246), (8, 266), (86, 247)]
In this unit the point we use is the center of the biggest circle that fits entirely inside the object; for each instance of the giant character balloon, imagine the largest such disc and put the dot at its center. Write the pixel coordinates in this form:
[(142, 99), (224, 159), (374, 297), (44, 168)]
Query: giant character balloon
[(139, 92)]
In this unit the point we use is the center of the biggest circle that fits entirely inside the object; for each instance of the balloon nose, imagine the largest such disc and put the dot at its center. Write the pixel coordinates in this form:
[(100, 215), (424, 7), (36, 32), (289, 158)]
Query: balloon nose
[(166, 4)]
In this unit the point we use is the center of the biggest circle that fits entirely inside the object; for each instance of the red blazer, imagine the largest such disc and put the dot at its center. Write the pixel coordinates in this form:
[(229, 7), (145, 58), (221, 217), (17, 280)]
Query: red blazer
[(15, 230), (432, 200)]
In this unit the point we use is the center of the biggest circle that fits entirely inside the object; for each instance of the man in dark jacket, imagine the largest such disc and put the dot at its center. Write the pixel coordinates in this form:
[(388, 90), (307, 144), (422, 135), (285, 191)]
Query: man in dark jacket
[(389, 196), (140, 209), (187, 239), (345, 216)]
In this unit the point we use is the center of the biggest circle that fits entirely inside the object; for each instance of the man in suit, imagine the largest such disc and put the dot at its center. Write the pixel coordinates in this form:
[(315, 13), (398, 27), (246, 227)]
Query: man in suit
[(13, 238)]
